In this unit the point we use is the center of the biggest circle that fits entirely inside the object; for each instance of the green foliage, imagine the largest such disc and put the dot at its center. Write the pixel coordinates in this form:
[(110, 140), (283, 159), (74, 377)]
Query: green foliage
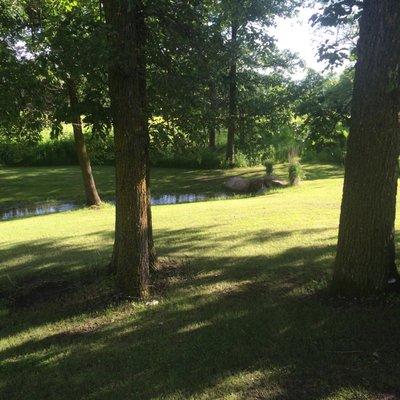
[(324, 108), (52, 152), (45, 153), (331, 155), (101, 149), (241, 160), (194, 158), (189, 53), (269, 154), (269, 167), (295, 173)]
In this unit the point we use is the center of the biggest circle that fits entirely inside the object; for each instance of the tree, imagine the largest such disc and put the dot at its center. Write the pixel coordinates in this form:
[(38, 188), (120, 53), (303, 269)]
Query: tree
[(127, 83), (232, 118), (247, 22), (92, 196), (65, 44), (365, 260), (323, 103), (342, 16)]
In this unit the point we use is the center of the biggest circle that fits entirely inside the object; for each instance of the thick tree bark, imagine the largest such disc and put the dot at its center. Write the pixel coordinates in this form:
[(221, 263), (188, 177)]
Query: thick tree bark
[(127, 82), (92, 196), (230, 145), (365, 260), (152, 248), (212, 122)]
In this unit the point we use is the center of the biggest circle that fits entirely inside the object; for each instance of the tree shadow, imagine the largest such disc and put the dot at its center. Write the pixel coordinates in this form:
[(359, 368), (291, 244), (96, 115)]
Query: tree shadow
[(250, 326)]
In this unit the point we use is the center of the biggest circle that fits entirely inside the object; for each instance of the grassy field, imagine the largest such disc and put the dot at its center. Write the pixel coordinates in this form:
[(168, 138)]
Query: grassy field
[(242, 312), (31, 185)]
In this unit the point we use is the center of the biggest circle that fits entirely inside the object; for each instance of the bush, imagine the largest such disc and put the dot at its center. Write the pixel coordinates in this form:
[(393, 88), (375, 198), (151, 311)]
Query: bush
[(55, 152), (196, 159), (101, 150), (210, 159), (241, 160), (269, 167), (269, 154), (48, 153), (12, 153), (335, 155), (295, 173)]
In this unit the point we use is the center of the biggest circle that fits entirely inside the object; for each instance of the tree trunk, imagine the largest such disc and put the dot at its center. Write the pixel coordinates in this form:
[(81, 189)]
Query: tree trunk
[(365, 260), (92, 196), (127, 82), (230, 145), (212, 116), (152, 248)]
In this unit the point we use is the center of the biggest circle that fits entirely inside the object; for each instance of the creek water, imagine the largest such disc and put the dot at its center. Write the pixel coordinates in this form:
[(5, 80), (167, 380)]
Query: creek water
[(51, 208)]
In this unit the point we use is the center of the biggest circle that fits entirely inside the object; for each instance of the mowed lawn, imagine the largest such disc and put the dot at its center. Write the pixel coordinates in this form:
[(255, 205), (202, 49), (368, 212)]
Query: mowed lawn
[(31, 185), (242, 314)]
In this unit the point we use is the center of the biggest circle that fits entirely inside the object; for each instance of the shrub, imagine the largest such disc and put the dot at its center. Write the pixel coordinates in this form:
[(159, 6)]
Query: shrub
[(241, 160), (210, 159), (295, 173), (101, 150), (194, 158), (269, 154), (269, 167), (57, 152), (52, 153), (335, 155)]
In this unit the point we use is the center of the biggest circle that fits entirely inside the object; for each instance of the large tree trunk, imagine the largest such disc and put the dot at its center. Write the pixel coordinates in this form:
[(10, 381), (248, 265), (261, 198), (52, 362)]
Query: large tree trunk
[(230, 145), (127, 81), (92, 196), (152, 248), (365, 260), (212, 122)]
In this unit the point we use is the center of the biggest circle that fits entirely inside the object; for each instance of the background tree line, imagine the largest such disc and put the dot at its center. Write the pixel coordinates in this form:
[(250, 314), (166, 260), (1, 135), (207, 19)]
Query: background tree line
[(51, 53)]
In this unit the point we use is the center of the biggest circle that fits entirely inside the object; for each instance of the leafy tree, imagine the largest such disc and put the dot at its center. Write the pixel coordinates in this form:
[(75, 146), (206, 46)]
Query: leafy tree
[(63, 46), (191, 53), (324, 105), (341, 16), (247, 23), (22, 112), (365, 260), (186, 61)]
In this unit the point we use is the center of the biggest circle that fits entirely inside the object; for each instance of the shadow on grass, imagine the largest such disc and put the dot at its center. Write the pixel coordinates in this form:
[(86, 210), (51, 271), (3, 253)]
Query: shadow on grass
[(255, 327)]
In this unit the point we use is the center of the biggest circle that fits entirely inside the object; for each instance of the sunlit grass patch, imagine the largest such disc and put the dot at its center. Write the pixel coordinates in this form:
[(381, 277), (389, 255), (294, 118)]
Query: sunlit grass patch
[(241, 316)]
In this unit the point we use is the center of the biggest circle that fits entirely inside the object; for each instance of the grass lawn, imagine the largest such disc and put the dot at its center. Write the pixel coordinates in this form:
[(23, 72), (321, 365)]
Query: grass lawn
[(31, 185), (246, 317)]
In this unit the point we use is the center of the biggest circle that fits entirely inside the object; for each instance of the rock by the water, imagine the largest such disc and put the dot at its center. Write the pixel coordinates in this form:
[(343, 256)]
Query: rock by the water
[(271, 181), (238, 184), (256, 184)]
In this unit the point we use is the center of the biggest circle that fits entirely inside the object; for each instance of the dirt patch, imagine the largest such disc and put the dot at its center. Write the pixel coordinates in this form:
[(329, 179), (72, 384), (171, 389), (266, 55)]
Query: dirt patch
[(36, 291), (168, 272), (92, 291), (31, 291)]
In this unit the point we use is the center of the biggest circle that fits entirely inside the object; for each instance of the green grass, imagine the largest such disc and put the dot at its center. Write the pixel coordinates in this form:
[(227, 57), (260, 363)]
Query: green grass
[(32, 185), (246, 319)]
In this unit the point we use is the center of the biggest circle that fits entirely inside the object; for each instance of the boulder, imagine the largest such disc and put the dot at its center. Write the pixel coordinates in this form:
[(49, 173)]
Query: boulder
[(271, 181), (256, 185), (237, 184)]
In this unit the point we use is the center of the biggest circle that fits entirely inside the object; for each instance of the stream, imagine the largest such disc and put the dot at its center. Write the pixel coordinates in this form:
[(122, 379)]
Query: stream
[(51, 208)]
